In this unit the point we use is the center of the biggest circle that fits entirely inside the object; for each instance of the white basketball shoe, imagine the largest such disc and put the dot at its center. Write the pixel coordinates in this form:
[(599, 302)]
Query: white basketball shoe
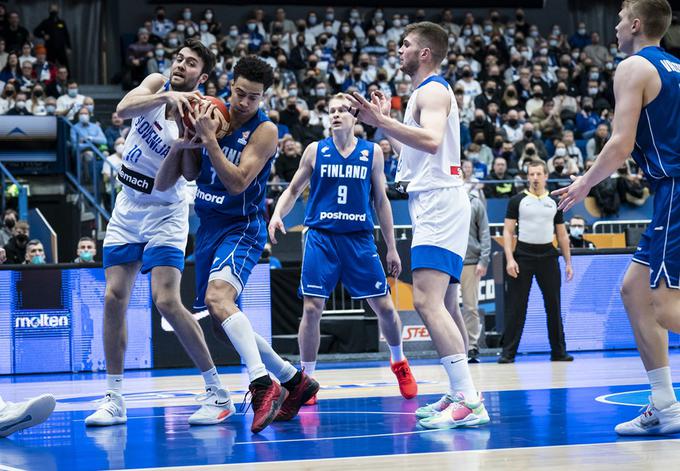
[(435, 408), (216, 407), (110, 412), (460, 413), (20, 415), (653, 421)]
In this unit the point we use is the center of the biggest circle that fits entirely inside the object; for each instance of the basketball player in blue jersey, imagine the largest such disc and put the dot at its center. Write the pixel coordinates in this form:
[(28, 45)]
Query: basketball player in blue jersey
[(428, 143), (345, 172), (230, 204), (647, 92), (148, 231)]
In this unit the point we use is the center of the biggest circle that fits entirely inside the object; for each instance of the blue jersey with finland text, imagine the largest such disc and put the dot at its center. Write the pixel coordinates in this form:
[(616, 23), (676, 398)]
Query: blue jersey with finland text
[(212, 198), (657, 143), (340, 189)]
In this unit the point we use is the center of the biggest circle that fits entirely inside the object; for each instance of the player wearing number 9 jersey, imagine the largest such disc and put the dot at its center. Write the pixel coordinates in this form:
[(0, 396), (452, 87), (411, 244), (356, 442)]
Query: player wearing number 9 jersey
[(344, 174)]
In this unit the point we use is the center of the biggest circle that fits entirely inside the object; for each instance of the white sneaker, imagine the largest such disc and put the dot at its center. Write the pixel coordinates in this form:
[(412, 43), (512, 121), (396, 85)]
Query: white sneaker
[(460, 413), (111, 411), (216, 407), (435, 408), (653, 421), (21, 415)]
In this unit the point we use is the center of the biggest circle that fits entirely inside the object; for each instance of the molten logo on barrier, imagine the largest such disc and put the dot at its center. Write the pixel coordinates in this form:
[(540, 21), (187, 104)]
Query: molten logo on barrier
[(43, 320)]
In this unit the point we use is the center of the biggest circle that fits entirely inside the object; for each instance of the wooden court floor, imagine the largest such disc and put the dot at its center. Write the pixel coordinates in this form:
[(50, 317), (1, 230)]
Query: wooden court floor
[(544, 416)]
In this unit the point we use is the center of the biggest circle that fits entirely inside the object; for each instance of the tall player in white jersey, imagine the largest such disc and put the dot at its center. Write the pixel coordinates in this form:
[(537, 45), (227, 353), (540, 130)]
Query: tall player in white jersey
[(429, 168), (148, 231), (647, 92)]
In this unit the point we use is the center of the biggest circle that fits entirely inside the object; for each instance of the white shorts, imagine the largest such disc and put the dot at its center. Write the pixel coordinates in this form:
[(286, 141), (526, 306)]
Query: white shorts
[(441, 226), (156, 234)]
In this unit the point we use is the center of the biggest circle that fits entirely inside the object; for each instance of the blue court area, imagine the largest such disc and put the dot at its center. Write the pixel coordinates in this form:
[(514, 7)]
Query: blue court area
[(371, 426)]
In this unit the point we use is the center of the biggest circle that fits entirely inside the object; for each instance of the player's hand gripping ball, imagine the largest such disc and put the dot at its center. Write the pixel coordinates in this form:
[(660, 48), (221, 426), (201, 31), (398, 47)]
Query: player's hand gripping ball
[(220, 113)]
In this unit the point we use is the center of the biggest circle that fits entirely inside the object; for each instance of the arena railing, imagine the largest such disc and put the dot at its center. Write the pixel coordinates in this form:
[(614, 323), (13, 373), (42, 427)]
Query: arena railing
[(619, 226), (22, 192), (93, 197)]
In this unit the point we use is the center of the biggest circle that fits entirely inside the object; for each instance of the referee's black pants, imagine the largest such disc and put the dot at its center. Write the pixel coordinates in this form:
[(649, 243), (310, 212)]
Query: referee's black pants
[(547, 272)]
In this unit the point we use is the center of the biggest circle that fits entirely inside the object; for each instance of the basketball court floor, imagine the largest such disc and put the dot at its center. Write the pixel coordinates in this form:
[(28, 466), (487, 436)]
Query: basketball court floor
[(544, 416)]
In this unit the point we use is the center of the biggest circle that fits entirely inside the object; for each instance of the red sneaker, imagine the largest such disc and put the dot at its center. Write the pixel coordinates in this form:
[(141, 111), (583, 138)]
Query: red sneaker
[(303, 392), (407, 383), (266, 401), (312, 401)]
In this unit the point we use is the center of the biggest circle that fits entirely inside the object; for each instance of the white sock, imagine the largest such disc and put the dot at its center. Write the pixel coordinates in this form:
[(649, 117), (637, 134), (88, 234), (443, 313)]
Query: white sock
[(212, 379), (457, 370), (397, 353), (240, 332), (114, 383), (309, 367), (663, 394), (279, 367)]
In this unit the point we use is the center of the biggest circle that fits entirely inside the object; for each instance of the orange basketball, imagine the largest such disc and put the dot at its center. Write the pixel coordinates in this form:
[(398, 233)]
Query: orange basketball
[(222, 115)]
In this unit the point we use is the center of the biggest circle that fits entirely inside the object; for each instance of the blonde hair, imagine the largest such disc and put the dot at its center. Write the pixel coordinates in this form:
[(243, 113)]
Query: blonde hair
[(655, 15)]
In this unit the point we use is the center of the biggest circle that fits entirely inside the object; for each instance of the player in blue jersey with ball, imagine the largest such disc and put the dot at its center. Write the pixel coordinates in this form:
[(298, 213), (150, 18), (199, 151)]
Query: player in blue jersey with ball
[(647, 91), (345, 174), (230, 204)]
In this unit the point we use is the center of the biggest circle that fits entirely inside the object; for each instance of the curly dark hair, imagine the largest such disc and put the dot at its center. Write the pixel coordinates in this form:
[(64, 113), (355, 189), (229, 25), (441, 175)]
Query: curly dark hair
[(208, 58), (254, 69)]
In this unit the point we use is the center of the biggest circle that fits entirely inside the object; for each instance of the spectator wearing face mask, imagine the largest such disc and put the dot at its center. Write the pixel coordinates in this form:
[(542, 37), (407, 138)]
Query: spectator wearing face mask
[(580, 39), (7, 98), (35, 253), (9, 219), (115, 162), (529, 137), (577, 228), (512, 127), (571, 166), (86, 250), (50, 106), (559, 172), (470, 86), (160, 62), (36, 105), (69, 104), (20, 106), (15, 248), (161, 25)]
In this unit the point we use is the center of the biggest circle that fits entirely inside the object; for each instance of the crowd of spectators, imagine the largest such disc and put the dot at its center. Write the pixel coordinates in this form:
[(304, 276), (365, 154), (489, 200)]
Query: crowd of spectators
[(523, 93)]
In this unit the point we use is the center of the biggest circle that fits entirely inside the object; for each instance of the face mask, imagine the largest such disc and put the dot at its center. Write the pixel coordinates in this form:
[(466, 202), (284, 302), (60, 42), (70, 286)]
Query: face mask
[(204, 28), (560, 152), (38, 93), (556, 32), (530, 151), (396, 23), (559, 168), (86, 256), (488, 28), (467, 32), (575, 55), (512, 122), (561, 91), (345, 29), (38, 260), (209, 16), (51, 109), (83, 118), (576, 232), (173, 42), (582, 31), (528, 135), (215, 52), (592, 91), (467, 74), (538, 96), (392, 60), (543, 51), (321, 91), (526, 55), (519, 17), (22, 239), (180, 28), (160, 53), (510, 31), (479, 142), (120, 148), (190, 31), (251, 26), (186, 15), (293, 92), (378, 15), (330, 16), (594, 75), (20, 105), (588, 108), (73, 92), (613, 51), (9, 223), (552, 43), (380, 29), (609, 66), (311, 20), (534, 34), (497, 144), (490, 91), (512, 94)]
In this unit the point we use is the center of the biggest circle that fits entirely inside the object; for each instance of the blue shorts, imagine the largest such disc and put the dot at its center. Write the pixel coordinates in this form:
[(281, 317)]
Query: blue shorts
[(158, 256), (659, 246), (227, 252), (352, 258)]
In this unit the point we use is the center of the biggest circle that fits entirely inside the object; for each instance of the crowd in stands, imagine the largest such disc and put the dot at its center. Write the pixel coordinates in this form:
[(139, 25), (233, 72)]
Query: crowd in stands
[(523, 93)]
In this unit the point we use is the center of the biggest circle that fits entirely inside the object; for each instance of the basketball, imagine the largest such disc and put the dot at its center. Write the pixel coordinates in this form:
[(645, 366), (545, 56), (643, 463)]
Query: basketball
[(222, 115)]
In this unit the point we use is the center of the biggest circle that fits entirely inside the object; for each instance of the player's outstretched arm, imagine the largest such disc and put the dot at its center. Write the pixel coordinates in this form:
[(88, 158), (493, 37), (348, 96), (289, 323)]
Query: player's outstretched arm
[(255, 155), (432, 109), (146, 97), (633, 75), (383, 211), (297, 185)]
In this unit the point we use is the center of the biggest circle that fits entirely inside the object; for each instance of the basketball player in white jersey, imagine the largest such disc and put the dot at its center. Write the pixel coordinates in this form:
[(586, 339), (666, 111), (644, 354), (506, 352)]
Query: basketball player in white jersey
[(429, 168), (148, 231)]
